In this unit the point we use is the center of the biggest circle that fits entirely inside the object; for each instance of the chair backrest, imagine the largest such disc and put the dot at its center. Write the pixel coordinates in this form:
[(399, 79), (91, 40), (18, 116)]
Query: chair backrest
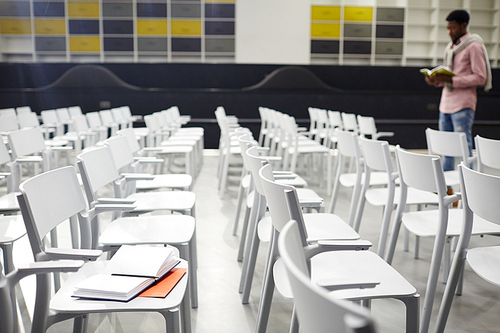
[(8, 123), (49, 117), (317, 310), (97, 168), (94, 119), (254, 164), (8, 112), (133, 143), (63, 115), (28, 119), (80, 124), (482, 193), (348, 144), (106, 117), (447, 143), (377, 155), (23, 109), (127, 114), (335, 119), (366, 125), (488, 153), (48, 199), (75, 111), (349, 122), (117, 115), (26, 141), (122, 155), (421, 171), (275, 196)]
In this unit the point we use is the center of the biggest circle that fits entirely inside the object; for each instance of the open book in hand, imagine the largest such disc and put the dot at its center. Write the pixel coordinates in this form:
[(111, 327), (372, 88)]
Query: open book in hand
[(131, 270), (437, 70)]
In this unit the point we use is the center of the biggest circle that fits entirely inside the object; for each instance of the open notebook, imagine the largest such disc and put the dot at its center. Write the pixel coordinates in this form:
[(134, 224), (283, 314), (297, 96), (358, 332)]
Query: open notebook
[(131, 270)]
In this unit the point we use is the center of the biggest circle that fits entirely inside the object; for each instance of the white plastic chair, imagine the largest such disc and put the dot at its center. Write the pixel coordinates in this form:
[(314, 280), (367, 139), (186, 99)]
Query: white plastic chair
[(320, 227), (378, 158), (316, 158), (425, 172), (229, 149), (453, 144), (51, 120), (28, 146), (108, 120), (95, 123), (316, 309), (349, 122), (259, 228), (158, 135), (175, 181), (46, 201), (367, 128), (481, 201), (100, 161), (348, 148), (176, 230), (337, 267)]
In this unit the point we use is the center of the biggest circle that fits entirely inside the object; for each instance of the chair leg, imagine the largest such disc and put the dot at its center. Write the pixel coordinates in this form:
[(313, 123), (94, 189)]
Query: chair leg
[(267, 286), (241, 195), (251, 252), (244, 231), (294, 325), (246, 241), (437, 254), (456, 274), (171, 320), (412, 304)]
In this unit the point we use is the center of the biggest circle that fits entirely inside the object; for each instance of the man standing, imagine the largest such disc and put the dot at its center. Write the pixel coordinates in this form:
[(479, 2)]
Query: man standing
[(467, 57)]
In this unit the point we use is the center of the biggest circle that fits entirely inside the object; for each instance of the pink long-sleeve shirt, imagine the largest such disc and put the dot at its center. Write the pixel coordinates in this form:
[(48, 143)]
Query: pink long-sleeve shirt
[(470, 68)]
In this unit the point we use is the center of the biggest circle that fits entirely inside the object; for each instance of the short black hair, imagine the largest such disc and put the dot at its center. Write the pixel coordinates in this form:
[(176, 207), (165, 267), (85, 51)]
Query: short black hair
[(460, 16)]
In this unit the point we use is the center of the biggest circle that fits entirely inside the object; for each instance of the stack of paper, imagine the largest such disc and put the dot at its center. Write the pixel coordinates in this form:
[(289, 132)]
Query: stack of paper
[(131, 270)]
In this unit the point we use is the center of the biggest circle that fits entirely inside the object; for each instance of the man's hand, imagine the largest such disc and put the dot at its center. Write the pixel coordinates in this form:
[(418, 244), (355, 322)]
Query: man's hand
[(435, 80), (442, 78), (431, 80)]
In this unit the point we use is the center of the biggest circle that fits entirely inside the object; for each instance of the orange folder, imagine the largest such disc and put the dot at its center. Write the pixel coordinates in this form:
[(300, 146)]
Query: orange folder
[(165, 284)]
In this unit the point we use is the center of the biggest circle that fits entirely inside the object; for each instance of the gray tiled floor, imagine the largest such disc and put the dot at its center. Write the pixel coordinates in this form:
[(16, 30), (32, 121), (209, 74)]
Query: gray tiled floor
[(220, 308)]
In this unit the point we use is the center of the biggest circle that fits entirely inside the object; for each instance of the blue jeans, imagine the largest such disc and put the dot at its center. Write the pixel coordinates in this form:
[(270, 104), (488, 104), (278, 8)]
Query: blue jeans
[(460, 121)]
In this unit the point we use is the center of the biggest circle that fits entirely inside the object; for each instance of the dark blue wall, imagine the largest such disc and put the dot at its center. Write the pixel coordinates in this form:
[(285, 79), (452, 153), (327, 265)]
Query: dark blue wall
[(396, 96)]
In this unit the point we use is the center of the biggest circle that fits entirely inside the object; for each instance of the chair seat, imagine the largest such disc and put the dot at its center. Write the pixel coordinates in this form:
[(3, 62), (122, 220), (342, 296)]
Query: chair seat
[(63, 302), (173, 229), (376, 179), (484, 261), (297, 182), (8, 203), (307, 194), (312, 148), (319, 226), (177, 181), (424, 223), (11, 228), (172, 200), (355, 265), (378, 196)]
